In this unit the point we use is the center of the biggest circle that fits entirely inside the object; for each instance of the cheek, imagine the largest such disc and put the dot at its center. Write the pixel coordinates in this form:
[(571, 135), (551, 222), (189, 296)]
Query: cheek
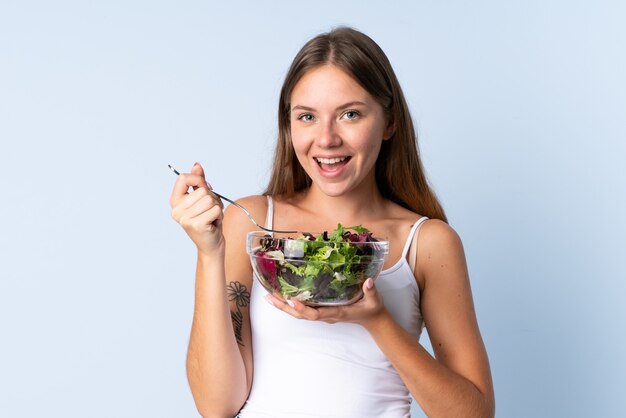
[(299, 141), (372, 142), (300, 148), (297, 144), (373, 152)]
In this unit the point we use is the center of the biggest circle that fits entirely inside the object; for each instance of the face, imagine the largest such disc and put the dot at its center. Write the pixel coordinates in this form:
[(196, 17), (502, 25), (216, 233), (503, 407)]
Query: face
[(337, 129)]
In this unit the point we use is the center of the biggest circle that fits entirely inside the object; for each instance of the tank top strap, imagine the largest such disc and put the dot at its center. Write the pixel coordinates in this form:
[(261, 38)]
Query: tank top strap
[(269, 218), (412, 242), (409, 239)]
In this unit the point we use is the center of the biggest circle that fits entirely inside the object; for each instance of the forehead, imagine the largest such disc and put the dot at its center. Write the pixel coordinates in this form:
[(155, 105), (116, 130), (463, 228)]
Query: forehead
[(327, 85)]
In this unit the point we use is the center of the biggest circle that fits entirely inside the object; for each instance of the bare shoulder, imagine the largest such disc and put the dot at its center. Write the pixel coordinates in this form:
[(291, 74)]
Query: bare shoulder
[(440, 249), (235, 227), (253, 201), (437, 235), (256, 205)]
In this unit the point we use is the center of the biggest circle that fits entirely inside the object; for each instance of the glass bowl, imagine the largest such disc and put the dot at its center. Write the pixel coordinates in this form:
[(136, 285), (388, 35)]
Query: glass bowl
[(318, 270)]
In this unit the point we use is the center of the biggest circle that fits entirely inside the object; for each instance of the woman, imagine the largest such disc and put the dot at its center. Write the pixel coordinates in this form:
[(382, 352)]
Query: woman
[(346, 153)]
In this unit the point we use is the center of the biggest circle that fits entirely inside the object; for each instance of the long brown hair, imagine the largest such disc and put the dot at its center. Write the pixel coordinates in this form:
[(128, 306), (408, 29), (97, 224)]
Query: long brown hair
[(399, 171)]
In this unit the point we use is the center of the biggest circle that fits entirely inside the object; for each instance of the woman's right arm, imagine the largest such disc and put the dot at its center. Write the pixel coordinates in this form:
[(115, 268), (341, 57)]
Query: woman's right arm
[(219, 358)]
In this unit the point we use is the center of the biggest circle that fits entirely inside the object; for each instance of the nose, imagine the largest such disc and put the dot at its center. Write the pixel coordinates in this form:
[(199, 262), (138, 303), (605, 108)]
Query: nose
[(328, 136)]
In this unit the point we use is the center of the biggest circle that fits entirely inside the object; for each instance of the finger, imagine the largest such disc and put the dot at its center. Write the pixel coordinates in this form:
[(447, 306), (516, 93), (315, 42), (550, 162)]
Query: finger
[(192, 198), (201, 205), (207, 220), (369, 289), (198, 170), (186, 202), (182, 185), (194, 204), (285, 306), (218, 199), (303, 311), (370, 294)]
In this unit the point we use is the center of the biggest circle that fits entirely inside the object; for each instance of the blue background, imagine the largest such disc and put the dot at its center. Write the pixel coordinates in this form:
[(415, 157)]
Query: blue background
[(520, 109)]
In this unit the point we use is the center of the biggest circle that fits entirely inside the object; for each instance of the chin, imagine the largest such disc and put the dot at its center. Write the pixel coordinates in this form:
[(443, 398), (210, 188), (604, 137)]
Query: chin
[(333, 190)]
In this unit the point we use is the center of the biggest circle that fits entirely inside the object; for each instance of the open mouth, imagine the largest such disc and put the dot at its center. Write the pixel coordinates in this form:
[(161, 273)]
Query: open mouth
[(332, 164)]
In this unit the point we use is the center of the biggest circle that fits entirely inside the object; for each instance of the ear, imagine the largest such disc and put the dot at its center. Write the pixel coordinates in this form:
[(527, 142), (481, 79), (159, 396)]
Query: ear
[(389, 130)]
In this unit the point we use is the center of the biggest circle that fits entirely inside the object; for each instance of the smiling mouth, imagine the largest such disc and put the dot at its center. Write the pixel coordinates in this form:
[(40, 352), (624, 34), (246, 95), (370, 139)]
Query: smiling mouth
[(332, 164), (330, 161)]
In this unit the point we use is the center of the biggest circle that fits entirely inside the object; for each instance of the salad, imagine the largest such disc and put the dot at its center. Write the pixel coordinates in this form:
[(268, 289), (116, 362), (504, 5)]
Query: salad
[(329, 268)]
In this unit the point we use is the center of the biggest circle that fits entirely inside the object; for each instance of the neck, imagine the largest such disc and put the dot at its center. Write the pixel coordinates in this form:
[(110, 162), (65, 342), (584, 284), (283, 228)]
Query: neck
[(360, 205)]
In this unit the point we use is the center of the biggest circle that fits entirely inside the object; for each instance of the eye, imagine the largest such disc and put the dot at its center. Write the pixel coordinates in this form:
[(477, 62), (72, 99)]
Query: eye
[(351, 114), (306, 117)]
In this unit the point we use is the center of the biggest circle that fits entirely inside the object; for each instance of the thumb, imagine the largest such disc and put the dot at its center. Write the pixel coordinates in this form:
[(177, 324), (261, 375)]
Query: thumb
[(198, 170), (368, 288)]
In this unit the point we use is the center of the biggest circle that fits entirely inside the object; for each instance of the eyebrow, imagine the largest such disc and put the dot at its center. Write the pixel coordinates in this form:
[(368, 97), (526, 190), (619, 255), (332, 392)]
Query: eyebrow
[(343, 106)]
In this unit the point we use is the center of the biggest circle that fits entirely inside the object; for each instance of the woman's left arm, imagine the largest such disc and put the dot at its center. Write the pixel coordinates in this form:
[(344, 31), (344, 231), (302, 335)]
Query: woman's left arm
[(457, 382)]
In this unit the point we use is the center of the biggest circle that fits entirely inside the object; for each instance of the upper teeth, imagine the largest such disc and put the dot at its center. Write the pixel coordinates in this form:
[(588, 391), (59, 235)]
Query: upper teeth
[(330, 160)]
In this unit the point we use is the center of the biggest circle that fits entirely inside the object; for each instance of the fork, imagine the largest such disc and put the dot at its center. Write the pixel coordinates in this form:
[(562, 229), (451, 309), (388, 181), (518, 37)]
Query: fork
[(240, 207)]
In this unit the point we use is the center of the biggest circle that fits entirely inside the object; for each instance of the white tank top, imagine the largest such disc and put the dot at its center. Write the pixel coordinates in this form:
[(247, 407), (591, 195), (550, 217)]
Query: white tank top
[(314, 369)]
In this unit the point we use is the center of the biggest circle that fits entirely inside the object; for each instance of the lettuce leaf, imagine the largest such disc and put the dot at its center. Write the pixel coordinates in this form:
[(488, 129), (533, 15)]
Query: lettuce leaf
[(331, 265)]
